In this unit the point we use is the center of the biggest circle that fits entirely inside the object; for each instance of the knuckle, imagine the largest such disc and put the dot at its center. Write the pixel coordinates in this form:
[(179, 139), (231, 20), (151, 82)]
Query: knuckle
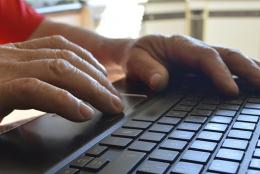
[(232, 52), (58, 38), (66, 54), (177, 37), (64, 95), (210, 52), (99, 90), (61, 67), (27, 85)]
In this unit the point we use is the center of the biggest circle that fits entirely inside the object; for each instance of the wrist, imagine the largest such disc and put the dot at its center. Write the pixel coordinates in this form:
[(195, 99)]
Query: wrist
[(115, 50)]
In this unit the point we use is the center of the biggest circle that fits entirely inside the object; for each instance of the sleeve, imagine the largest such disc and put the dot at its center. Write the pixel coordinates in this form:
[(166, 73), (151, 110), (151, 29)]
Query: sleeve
[(18, 21)]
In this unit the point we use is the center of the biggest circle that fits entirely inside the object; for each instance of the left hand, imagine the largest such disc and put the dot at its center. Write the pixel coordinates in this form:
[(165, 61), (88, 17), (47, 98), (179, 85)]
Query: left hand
[(154, 58)]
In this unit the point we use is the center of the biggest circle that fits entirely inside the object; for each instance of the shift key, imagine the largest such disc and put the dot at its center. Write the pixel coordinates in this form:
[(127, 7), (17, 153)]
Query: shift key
[(125, 163)]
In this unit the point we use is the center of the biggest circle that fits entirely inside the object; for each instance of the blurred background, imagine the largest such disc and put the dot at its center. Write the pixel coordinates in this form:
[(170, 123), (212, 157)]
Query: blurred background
[(231, 23)]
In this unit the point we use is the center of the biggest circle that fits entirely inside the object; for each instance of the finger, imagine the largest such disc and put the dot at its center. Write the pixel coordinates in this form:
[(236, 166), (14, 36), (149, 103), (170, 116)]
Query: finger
[(59, 42), (30, 93), (61, 73), (72, 58), (192, 53), (213, 66), (240, 65), (144, 67)]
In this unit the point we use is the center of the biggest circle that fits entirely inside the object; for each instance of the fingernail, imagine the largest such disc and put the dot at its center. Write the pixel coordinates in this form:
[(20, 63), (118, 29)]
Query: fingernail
[(117, 103), (155, 81), (86, 111)]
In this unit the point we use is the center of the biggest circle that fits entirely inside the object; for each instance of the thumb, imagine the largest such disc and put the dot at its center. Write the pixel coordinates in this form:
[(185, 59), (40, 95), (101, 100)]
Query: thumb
[(144, 67)]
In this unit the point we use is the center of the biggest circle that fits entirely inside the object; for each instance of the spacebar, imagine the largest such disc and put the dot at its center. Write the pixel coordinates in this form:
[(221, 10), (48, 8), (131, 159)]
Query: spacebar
[(124, 163)]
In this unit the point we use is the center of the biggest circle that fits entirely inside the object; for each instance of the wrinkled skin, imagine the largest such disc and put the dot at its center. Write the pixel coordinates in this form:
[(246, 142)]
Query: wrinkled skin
[(51, 74)]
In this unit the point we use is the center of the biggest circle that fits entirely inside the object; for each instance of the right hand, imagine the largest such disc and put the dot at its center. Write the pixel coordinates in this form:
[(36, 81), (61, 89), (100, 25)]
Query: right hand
[(54, 75)]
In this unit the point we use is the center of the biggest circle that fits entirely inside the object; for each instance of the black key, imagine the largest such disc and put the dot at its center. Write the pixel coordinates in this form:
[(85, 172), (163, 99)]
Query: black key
[(116, 142), (203, 145), (131, 133), (182, 135), (196, 156), (240, 134), (189, 126), (251, 171), (230, 154), (210, 136), (195, 97), (229, 107), (151, 118), (169, 120), (251, 111), (187, 168), (81, 161), (255, 163), (253, 100), (161, 128), (252, 106), (216, 127), (235, 144), (137, 124), (207, 107), (200, 112), (226, 113), (234, 101), (195, 119), (173, 145), (142, 146), (224, 166), (212, 101), (248, 118), (182, 108), (68, 171), (153, 167), (125, 163), (96, 164), (180, 114), (152, 136), (244, 126), (189, 102), (96, 150), (220, 119), (155, 111), (257, 153), (164, 155)]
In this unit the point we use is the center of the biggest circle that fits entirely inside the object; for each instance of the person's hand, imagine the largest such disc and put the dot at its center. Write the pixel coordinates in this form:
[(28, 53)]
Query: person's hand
[(54, 75), (154, 57)]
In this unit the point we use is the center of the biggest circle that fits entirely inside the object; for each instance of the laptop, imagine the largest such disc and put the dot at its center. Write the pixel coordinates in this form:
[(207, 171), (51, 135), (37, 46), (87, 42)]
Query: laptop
[(189, 128)]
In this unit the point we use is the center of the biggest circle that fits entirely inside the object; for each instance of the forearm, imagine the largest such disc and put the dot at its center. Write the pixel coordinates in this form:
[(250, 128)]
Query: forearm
[(104, 49)]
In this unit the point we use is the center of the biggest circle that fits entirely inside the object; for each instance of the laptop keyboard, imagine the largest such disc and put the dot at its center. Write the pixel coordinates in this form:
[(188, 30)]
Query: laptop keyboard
[(180, 134)]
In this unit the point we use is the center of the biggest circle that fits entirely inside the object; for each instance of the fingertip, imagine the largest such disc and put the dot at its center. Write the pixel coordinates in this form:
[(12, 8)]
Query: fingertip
[(86, 112), (231, 89), (235, 89), (117, 104), (158, 82)]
